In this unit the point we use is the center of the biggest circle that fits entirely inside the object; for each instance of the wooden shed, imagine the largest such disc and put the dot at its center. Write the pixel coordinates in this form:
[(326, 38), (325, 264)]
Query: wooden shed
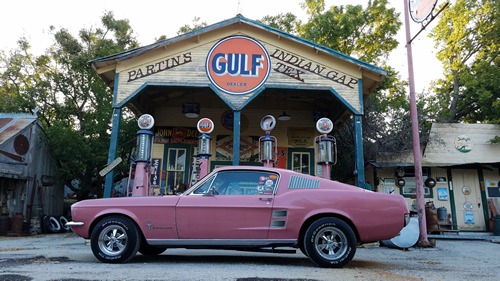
[(28, 185), (464, 161)]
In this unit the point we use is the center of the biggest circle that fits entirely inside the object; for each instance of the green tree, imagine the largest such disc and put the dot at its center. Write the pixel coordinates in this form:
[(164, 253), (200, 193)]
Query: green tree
[(195, 25), (352, 30), (468, 43), (72, 102), (286, 22)]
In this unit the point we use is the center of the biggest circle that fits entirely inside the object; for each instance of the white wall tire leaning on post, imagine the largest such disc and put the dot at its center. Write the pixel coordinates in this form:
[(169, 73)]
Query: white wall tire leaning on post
[(63, 221), (51, 224)]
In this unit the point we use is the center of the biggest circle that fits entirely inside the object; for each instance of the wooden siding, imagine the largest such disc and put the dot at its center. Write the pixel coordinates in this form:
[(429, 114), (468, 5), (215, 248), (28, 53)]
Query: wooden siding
[(16, 190), (189, 68)]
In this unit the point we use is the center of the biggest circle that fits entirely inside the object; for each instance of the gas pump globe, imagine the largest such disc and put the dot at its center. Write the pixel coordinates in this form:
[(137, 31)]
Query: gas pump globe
[(325, 146), (267, 144)]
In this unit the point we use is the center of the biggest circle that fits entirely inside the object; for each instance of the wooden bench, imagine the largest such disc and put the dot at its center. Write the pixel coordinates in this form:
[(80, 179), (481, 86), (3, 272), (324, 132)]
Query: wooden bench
[(445, 227)]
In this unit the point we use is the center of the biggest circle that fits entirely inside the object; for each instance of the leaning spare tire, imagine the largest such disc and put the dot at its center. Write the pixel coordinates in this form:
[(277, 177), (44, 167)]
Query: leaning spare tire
[(63, 221), (52, 224)]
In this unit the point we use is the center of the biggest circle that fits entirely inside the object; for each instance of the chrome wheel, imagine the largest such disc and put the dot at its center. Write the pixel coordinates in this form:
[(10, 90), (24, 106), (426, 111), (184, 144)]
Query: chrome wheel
[(113, 240), (331, 243)]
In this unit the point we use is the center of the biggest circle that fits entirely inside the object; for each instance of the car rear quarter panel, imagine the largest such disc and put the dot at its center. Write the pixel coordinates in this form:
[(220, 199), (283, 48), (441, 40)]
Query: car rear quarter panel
[(375, 216)]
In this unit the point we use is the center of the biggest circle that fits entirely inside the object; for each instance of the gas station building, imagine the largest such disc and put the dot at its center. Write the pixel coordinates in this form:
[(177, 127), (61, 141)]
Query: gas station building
[(235, 72)]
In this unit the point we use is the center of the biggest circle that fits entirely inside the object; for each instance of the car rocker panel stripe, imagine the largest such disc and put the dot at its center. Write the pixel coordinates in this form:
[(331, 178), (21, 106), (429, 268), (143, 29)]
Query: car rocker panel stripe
[(222, 242)]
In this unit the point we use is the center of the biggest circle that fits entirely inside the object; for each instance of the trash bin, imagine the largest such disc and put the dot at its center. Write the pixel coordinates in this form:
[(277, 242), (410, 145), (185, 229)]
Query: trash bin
[(496, 226), (442, 213)]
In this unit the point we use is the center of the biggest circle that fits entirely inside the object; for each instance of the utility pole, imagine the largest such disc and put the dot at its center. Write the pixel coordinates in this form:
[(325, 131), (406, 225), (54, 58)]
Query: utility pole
[(426, 7)]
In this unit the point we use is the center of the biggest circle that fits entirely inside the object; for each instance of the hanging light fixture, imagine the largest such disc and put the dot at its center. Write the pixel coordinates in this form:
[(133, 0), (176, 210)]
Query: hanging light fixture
[(284, 116)]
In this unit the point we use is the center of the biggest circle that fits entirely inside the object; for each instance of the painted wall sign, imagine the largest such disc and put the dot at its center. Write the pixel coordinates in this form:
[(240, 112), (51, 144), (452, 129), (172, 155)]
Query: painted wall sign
[(159, 66), (249, 148), (301, 137), (176, 135), (463, 143), (238, 65), (156, 175), (294, 66)]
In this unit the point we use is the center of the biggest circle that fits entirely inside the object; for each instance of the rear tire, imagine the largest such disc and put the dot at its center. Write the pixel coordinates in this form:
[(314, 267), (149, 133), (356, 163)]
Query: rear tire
[(330, 242), (115, 239)]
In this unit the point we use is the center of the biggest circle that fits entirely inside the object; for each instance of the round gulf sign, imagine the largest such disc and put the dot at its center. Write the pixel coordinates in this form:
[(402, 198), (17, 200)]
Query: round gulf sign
[(324, 125), (146, 122), (238, 65), (205, 126)]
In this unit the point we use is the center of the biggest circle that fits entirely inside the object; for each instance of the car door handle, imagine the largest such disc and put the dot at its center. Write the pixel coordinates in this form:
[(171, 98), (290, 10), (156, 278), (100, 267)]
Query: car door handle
[(268, 199)]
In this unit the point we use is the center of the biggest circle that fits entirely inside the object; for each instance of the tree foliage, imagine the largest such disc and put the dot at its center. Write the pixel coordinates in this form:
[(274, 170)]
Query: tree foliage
[(69, 98), (195, 25), (468, 43), (352, 30)]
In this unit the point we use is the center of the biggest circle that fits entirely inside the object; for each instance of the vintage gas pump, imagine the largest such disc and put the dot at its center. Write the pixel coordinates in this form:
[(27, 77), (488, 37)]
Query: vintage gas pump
[(325, 146), (140, 186), (268, 149), (205, 127)]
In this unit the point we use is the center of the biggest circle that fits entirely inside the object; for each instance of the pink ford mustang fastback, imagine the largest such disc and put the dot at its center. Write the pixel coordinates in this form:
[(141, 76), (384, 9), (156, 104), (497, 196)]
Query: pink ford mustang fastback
[(244, 208)]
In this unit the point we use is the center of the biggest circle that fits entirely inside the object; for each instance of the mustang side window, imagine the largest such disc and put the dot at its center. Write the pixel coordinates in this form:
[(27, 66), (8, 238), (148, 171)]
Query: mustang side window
[(249, 183), (239, 183), (203, 189)]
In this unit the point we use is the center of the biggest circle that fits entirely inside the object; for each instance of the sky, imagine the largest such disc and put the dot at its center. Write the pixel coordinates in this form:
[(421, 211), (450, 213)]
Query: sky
[(151, 19)]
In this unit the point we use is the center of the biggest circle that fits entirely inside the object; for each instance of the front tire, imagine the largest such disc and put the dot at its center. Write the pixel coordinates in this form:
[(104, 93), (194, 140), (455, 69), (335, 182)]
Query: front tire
[(330, 242), (115, 239)]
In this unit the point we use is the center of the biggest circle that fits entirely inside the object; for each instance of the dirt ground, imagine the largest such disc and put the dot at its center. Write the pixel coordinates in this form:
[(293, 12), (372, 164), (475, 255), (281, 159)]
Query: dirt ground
[(67, 257)]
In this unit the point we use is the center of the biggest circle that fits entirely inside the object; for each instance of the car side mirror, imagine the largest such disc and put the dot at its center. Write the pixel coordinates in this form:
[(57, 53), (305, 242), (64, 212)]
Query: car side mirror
[(210, 192)]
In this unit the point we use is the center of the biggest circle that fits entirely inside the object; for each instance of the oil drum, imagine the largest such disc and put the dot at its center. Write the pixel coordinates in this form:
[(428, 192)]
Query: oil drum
[(17, 223), (4, 225)]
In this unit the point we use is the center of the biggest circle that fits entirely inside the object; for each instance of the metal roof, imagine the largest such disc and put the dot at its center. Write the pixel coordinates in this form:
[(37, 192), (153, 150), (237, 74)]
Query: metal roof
[(452, 144), (11, 124)]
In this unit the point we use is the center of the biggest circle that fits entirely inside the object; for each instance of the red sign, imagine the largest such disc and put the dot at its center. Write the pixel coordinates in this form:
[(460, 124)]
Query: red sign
[(238, 65)]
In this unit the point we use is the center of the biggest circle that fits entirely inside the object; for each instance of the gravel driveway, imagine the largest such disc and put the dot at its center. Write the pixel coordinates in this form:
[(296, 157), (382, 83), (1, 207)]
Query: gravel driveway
[(67, 257)]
